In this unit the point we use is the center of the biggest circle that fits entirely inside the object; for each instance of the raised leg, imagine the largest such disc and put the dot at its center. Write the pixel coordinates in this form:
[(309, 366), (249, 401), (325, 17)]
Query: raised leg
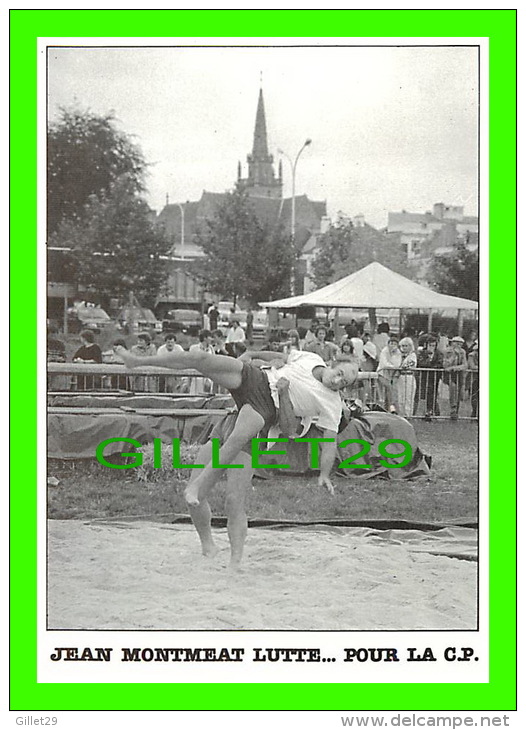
[(225, 371), (222, 370)]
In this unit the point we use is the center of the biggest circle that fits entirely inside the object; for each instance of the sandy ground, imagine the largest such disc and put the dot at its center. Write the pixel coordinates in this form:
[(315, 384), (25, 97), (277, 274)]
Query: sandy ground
[(152, 576)]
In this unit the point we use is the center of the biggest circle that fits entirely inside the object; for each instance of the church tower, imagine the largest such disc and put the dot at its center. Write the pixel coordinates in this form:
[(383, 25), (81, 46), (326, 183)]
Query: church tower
[(261, 181)]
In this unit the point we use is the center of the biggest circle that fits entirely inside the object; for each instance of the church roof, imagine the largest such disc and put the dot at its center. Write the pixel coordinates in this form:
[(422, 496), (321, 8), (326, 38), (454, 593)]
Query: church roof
[(268, 210)]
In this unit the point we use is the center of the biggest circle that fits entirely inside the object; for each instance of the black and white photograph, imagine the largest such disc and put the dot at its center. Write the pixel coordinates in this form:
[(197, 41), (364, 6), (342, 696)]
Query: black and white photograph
[(262, 318)]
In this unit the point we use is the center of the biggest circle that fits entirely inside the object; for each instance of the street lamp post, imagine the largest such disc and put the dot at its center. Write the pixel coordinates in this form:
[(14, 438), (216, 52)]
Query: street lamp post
[(293, 209), (181, 208)]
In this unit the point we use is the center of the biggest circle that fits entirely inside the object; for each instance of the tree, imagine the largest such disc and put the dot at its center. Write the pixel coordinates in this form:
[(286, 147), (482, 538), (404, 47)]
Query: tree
[(86, 154), (115, 246), (346, 248), (456, 273), (242, 256)]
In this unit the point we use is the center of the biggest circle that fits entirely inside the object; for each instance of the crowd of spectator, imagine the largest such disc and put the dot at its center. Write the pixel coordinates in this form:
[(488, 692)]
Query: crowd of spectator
[(409, 369)]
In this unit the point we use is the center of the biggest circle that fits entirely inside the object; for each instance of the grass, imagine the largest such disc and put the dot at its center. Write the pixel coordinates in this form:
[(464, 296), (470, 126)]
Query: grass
[(88, 490)]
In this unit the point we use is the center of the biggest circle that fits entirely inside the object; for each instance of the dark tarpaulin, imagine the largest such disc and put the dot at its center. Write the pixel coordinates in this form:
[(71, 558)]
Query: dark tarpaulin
[(372, 427), (76, 436)]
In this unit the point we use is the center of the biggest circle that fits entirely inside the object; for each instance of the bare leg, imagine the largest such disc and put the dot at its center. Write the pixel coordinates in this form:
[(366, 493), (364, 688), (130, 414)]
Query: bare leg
[(237, 486), (248, 424), (200, 513), (225, 371)]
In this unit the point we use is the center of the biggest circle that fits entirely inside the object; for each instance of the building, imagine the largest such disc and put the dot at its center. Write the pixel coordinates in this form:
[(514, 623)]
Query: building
[(417, 230), (261, 181), (265, 190), (181, 220), (370, 243)]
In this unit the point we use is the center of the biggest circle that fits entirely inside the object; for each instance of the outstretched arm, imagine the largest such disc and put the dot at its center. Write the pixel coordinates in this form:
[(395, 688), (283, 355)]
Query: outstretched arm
[(328, 455), (288, 421)]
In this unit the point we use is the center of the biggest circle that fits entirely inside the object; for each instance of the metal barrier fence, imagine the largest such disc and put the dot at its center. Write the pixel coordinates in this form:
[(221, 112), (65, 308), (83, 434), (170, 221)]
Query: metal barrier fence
[(419, 393), (105, 378), (422, 393)]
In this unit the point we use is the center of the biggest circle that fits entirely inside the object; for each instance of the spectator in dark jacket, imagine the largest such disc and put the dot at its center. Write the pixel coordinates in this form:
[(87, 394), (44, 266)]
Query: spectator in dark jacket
[(89, 351), (430, 358), (213, 317), (473, 378), (455, 365)]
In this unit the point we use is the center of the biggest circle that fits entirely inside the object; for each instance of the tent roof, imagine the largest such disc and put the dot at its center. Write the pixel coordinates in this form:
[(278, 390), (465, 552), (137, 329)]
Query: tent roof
[(371, 287)]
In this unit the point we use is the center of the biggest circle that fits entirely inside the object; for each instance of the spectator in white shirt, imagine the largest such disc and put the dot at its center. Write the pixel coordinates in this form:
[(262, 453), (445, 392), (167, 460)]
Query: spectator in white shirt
[(170, 345), (388, 372), (170, 383), (234, 339), (202, 385)]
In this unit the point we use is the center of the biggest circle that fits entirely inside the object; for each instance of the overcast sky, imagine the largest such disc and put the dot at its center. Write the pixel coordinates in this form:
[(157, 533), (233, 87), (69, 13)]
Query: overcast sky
[(391, 128)]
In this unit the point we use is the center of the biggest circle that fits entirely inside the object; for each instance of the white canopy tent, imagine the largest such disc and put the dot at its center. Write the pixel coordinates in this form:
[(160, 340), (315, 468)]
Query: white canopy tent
[(377, 287)]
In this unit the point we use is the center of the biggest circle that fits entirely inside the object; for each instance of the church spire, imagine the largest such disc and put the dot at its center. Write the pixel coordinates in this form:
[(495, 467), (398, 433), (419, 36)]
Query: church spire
[(260, 146), (261, 181)]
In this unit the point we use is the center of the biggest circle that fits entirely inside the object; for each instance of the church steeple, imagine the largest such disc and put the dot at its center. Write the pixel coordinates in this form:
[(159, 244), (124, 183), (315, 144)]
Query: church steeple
[(260, 147), (261, 181)]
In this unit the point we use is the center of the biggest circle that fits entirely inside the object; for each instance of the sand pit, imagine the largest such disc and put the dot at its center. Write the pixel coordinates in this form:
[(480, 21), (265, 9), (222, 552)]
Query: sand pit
[(151, 576)]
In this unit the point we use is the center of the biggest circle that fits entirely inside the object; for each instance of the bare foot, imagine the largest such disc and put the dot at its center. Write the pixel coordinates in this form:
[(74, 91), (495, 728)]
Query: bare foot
[(209, 549), (235, 564), (191, 494)]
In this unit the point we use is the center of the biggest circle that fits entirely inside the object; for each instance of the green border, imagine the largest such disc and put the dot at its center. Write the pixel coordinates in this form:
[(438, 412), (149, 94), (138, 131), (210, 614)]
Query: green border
[(26, 26)]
